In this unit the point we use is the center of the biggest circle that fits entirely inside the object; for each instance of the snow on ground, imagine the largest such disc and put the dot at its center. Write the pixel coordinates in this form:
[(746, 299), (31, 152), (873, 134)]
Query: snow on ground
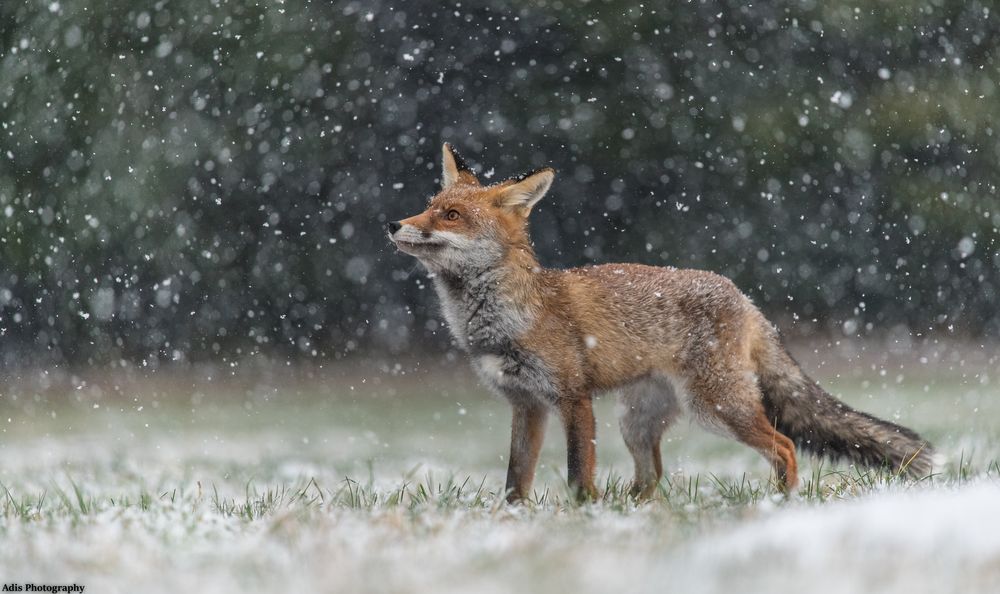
[(898, 541), (239, 494), (945, 540)]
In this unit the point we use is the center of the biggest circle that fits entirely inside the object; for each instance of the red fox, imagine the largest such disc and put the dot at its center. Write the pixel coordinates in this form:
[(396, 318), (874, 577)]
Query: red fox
[(665, 339)]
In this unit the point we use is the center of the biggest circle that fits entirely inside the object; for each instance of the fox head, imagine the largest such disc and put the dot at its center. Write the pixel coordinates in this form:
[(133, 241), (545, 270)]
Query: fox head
[(468, 226)]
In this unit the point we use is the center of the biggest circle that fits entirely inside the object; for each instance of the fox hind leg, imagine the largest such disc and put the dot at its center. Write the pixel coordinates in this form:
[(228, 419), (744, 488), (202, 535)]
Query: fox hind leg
[(776, 447), (645, 410), (732, 404)]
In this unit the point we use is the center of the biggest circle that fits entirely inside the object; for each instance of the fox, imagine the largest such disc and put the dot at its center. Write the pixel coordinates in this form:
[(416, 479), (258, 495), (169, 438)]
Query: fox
[(662, 340)]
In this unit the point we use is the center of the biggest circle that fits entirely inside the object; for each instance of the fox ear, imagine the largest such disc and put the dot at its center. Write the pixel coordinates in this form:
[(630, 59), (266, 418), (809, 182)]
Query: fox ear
[(527, 190), (454, 169)]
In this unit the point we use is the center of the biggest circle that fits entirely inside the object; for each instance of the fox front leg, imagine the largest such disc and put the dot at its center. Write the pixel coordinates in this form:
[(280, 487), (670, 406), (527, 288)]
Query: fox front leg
[(527, 433), (578, 421)]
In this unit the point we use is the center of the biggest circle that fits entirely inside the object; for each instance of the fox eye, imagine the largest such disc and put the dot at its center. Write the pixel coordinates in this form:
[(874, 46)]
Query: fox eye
[(452, 215)]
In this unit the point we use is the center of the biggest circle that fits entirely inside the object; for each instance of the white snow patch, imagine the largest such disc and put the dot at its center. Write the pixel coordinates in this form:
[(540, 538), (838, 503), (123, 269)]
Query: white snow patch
[(928, 541)]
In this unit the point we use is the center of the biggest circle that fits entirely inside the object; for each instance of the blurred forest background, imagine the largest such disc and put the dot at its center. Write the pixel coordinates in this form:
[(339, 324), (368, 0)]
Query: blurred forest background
[(186, 179)]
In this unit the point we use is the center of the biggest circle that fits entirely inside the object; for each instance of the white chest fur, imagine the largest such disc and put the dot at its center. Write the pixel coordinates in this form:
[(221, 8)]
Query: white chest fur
[(490, 369), (488, 324), (517, 374)]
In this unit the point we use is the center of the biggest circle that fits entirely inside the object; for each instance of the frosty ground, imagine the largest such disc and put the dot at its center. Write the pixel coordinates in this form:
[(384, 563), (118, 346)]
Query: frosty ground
[(256, 476)]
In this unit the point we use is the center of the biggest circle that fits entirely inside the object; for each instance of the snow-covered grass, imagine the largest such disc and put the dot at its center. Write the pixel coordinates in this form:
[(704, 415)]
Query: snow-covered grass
[(376, 481)]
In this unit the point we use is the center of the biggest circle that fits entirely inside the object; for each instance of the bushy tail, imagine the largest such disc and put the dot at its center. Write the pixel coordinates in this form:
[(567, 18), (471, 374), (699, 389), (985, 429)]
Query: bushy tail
[(819, 423)]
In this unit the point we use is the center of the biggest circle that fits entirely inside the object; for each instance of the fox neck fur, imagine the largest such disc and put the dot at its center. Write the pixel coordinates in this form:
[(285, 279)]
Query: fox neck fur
[(488, 306), (487, 309)]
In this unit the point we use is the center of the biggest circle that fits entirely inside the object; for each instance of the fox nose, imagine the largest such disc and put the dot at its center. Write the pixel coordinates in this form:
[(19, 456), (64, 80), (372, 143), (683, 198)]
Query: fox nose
[(393, 227)]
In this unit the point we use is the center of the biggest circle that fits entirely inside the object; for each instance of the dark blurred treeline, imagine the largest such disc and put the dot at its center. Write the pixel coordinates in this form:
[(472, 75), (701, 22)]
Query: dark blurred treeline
[(190, 178)]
